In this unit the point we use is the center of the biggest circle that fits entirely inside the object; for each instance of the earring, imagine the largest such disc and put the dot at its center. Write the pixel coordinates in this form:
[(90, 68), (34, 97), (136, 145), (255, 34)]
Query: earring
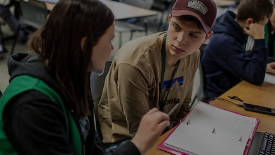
[(99, 73)]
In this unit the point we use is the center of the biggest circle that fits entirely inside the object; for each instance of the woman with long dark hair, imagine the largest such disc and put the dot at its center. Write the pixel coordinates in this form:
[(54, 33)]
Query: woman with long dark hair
[(47, 109)]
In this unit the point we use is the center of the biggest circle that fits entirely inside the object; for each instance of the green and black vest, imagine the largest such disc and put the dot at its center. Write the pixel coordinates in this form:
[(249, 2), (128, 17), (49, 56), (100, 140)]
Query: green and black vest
[(24, 83)]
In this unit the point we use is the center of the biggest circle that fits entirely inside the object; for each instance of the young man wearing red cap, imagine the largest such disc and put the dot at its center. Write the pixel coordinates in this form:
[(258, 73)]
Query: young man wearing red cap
[(224, 60), (155, 71)]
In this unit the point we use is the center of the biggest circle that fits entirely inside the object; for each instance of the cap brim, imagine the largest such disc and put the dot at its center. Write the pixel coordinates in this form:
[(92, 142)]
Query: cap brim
[(177, 13)]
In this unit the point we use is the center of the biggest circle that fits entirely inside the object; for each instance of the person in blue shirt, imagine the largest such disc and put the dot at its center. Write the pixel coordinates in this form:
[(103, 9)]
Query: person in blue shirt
[(270, 40), (224, 61)]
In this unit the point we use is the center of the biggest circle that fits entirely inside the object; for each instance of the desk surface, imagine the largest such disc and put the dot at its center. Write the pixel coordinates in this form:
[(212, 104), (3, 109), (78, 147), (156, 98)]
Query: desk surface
[(263, 95), (120, 10)]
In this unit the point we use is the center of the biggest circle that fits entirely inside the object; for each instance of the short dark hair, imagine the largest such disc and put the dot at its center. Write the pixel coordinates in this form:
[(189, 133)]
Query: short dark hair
[(191, 19), (255, 9), (58, 43)]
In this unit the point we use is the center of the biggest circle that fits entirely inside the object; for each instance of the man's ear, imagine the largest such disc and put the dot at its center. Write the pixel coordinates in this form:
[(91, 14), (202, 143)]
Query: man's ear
[(248, 21), (169, 18), (208, 36), (82, 43)]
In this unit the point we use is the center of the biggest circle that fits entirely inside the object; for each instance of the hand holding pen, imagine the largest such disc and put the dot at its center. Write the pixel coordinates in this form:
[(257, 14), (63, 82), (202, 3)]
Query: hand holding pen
[(173, 109)]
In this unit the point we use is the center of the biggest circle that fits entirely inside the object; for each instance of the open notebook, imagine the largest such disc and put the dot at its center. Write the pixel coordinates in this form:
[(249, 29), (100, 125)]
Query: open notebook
[(209, 130)]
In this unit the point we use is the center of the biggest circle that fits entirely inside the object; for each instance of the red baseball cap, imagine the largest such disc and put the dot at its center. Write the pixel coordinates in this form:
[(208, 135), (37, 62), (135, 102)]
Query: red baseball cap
[(204, 10)]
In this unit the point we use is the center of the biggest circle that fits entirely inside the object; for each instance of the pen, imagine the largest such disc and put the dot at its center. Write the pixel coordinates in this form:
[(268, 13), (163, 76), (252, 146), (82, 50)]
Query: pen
[(175, 107)]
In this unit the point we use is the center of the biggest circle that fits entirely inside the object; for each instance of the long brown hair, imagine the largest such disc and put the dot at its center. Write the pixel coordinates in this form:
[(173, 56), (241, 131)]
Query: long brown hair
[(58, 43)]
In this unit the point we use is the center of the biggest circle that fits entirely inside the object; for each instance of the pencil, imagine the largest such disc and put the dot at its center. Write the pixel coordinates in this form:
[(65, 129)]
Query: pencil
[(172, 110)]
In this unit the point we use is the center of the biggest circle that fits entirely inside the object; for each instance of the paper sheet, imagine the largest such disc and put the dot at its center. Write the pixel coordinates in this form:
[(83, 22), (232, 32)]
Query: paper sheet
[(197, 137), (269, 78)]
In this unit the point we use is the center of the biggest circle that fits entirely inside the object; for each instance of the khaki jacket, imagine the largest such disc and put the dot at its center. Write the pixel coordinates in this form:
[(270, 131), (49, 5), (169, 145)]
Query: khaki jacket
[(131, 87)]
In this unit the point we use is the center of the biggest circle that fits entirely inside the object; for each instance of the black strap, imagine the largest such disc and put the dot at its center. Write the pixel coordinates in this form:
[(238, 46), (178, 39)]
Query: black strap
[(163, 62), (163, 57)]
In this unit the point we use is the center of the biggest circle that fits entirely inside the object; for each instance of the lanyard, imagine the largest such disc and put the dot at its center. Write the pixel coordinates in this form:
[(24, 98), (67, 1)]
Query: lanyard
[(163, 62)]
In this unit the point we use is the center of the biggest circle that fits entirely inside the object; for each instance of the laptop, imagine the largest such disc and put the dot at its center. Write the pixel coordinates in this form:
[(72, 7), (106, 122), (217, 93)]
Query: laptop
[(263, 143)]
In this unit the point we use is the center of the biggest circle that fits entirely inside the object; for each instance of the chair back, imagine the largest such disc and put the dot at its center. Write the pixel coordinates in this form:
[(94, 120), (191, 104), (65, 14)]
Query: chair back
[(162, 5), (97, 84), (200, 93), (146, 4), (198, 86), (34, 13)]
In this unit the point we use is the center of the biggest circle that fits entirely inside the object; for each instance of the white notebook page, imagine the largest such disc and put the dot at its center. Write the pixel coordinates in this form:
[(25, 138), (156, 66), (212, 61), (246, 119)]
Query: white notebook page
[(197, 137), (269, 78)]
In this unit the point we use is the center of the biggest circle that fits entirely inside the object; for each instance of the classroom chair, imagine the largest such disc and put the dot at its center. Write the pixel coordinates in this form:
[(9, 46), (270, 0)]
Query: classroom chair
[(97, 84), (199, 90), (34, 15), (138, 25), (2, 39), (162, 6)]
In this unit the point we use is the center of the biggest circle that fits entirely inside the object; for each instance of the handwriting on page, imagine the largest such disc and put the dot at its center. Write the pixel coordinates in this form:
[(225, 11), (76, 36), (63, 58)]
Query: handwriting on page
[(211, 131)]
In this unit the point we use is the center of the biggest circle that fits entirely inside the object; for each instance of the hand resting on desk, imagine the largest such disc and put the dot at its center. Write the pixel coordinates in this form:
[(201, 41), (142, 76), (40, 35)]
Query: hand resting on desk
[(270, 68)]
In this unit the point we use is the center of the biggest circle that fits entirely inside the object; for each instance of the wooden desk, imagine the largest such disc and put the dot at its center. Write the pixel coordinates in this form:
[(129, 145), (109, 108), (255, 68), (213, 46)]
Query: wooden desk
[(120, 10), (263, 95)]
